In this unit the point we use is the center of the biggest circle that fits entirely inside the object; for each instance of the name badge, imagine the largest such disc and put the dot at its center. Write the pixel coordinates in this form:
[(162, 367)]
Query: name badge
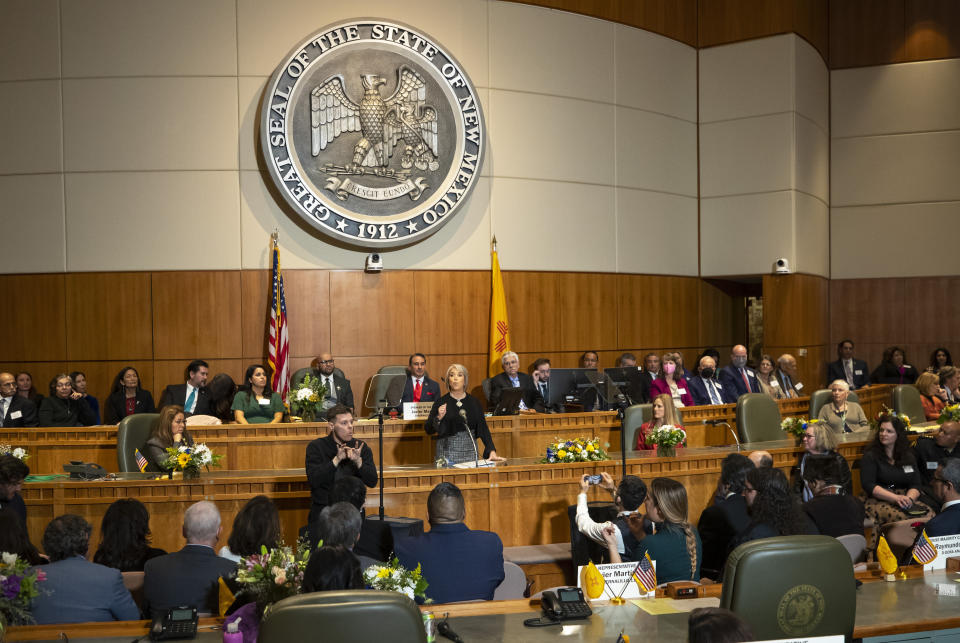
[(750, 373), (858, 372), (931, 465), (15, 415), (774, 383), (682, 391), (718, 384), (264, 402), (798, 386), (907, 468)]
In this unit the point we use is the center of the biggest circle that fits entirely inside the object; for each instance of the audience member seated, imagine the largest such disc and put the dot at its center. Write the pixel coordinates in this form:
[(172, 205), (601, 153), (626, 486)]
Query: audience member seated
[(651, 371), (14, 538), (330, 569), (457, 420), (76, 590), (664, 414), (418, 386), (671, 383), (890, 478), (64, 407), (736, 376), (12, 473), (126, 397), (787, 376), (675, 544), (847, 368), (192, 396), (947, 482), (125, 537), (931, 395), (831, 508), (681, 370), (511, 377), (222, 390), (376, 537), (459, 563), (336, 455), (79, 379), (721, 522), (705, 388), (338, 386), (15, 411), (190, 576), (627, 497), (841, 415), (717, 625), (339, 524), (761, 459), (894, 369), (818, 439), (774, 511), (255, 403), (938, 359), (169, 431), (767, 379), (950, 383), (25, 388), (929, 452), (256, 525)]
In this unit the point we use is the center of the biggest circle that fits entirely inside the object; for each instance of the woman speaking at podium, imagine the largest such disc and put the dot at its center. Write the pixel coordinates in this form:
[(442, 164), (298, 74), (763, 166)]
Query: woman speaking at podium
[(457, 420)]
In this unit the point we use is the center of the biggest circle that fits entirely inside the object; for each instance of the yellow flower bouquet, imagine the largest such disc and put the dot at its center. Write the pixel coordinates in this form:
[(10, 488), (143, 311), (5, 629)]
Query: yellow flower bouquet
[(579, 450), (190, 459)]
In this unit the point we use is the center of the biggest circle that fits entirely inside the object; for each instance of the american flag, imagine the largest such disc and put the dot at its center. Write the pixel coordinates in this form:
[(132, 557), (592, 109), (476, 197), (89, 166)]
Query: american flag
[(279, 345), (141, 461), (924, 552), (645, 574)]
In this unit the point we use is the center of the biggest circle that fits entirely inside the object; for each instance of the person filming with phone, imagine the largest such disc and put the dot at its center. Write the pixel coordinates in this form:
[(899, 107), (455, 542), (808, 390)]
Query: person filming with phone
[(627, 498)]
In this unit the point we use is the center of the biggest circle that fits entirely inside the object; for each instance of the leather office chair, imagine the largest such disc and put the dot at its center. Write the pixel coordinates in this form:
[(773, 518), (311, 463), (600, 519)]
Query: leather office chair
[(485, 385), (383, 383), (792, 586), (347, 616), (633, 417), (906, 400), (758, 418), (855, 544), (132, 433), (819, 398)]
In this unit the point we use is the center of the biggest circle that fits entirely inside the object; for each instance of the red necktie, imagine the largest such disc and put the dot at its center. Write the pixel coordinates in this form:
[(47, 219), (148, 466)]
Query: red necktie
[(746, 382), (416, 391)]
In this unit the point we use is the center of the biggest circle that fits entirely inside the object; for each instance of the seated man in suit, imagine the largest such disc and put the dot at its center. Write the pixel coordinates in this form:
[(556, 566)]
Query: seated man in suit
[(853, 371), (541, 381), (189, 576), (419, 387), (192, 395), (15, 411), (76, 590), (929, 452), (338, 386), (511, 377), (460, 564), (726, 517), (787, 375), (736, 376), (12, 473), (705, 389), (946, 484)]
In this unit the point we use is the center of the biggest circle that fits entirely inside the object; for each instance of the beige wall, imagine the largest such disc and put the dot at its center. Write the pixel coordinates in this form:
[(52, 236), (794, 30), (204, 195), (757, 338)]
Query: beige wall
[(896, 170)]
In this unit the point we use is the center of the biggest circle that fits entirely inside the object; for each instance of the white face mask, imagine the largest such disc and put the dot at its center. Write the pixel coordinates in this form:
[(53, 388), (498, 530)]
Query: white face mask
[(739, 361)]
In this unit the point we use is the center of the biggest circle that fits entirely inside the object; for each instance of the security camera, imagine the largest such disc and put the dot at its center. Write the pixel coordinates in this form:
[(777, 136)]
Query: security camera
[(374, 262), (781, 266)]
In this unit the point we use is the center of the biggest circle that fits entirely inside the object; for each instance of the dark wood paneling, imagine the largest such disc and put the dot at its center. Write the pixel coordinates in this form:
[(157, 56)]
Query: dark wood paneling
[(868, 311), (309, 318), (795, 310), (588, 311), (932, 29), (33, 318), (371, 314), (452, 311), (718, 316), (658, 311), (100, 377), (726, 21), (41, 372), (534, 310), (108, 316), (166, 372), (939, 324), (255, 311), (196, 313), (866, 32)]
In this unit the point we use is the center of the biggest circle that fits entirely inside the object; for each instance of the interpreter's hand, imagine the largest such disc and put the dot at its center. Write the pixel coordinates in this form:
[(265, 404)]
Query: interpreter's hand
[(341, 454), (607, 482), (354, 454), (441, 411), (75, 395), (584, 483), (610, 535)]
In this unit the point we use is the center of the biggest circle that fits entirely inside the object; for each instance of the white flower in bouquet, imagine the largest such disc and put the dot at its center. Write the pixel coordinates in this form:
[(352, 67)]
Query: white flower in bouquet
[(9, 559), (19, 453), (304, 394)]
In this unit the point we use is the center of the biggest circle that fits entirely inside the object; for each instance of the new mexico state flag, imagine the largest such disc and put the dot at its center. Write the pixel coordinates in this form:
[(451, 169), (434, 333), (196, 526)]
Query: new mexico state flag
[(499, 328)]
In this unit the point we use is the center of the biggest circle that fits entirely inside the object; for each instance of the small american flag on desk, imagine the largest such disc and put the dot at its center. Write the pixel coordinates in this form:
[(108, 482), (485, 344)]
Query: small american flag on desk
[(141, 461), (645, 574), (924, 552)]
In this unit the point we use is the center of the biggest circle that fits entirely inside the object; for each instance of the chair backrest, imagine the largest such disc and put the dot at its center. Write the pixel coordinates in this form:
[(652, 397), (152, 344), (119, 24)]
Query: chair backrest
[(817, 400), (132, 433), (384, 382), (485, 385), (633, 417), (906, 400), (347, 616), (791, 586), (133, 581), (514, 583), (856, 546), (758, 418)]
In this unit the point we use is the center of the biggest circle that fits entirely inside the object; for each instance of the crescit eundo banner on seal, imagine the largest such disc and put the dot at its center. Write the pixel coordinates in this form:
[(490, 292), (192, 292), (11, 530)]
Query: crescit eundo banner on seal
[(372, 133)]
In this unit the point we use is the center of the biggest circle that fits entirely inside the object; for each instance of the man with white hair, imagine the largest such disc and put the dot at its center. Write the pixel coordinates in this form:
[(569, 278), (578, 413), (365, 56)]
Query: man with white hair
[(511, 377), (189, 576)]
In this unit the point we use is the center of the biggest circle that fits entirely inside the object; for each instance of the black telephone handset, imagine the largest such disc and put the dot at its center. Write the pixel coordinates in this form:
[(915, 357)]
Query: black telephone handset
[(80, 470), (175, 623), (566, 604)]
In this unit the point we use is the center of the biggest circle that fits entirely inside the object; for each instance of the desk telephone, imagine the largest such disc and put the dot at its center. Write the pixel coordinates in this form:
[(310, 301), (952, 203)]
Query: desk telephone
[(175, 623), (566, 604)]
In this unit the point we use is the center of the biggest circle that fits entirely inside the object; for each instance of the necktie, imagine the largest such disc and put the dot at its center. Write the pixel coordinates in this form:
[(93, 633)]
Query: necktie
[(714, 397), (331, 391), (848, 370), (188, 407), (746, 382), (788, 386), (417, 389), (543, 391), (3, 409)]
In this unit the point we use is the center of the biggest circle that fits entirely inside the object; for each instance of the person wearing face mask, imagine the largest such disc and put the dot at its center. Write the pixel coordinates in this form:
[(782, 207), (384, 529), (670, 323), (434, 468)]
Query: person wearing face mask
[(671, 383), (736, 376), (705, 389)]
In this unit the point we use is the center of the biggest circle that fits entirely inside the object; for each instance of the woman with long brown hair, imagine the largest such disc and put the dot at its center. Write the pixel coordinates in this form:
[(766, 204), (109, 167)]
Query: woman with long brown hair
[(170, 431)]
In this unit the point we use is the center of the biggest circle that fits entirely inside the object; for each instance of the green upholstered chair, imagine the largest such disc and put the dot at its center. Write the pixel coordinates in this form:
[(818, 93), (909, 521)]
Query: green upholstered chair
[(633, 417), (347, 616), (906, 400), (383, 383), (758, 418), (792, 587), (819, 398), (132, 433)]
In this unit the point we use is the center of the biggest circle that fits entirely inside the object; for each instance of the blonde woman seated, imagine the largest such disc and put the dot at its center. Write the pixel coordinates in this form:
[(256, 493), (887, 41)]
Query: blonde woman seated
[(931, 395), (664, 413), (843, 416), (819, 439), (768, 381), (675, 544)]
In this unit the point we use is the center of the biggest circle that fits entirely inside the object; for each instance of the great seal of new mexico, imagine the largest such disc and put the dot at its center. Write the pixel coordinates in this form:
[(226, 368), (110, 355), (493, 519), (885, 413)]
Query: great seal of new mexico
[(372, 132)]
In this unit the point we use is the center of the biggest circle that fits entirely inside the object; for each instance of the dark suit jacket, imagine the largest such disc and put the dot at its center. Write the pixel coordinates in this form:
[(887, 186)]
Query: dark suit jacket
[(731, 379), (186, 577), (887, 373), (459, 564), (81, 591), (698, 390), (500, 381), (945, 523), (27, 413), (115, 408), (430, 391), (542, 404), (376, 540), (861, 374), (781, 378), (176, 394), (719, 525), (344, 392)]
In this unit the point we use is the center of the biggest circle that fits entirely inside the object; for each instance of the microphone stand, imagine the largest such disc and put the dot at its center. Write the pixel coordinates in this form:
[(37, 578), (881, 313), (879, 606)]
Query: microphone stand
[(473, 440), (380, 409)]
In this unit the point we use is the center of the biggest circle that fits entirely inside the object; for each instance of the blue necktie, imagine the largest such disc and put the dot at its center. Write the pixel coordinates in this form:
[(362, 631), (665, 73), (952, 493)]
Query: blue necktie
[(713, 392), (189, 405)]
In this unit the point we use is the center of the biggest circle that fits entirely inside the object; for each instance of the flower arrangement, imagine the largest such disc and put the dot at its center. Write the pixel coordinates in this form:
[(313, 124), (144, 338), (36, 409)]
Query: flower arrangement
[(950, 413), (579, 450), (273, 574), (190, 459), (888, 412), (796, 426), (18, 452), (306, 400), (394, 578), (667, 436), (19, 585)]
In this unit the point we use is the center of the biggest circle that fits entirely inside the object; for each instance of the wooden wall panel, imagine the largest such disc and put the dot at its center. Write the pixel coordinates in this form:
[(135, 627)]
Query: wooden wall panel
[(796, 310), (196, 313), (310, 318), (534, 310), (371, 314), (33, 318), (658, 310), (717, 317), (726, 21), (476, 365), (588, 311), (932, 29), (41, 372), (452, 311), (166, 372), (931, 325), (867, 310), (108, 316), (866, 32), (255, 311), (100, 376)]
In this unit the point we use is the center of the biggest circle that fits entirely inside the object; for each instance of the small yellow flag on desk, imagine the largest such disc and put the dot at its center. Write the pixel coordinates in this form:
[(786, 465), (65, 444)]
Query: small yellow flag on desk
[(499, 328), (888, 562)]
